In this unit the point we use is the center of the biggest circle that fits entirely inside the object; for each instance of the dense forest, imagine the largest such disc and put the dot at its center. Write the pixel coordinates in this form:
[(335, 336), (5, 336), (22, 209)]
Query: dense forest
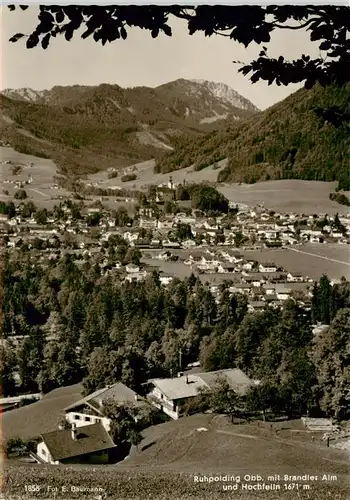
[(81, 325), (306, 136)]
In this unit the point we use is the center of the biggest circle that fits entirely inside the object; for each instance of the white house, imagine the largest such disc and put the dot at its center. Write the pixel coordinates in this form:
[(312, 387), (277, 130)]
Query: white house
[(165, 278), (88, 410), (89, 444), (132, 268), (267, 268), (171, 394), (282, 291), (165, 224)]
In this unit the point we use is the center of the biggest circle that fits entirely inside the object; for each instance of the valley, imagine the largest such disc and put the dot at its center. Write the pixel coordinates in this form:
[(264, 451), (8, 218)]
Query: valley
[(175, 295)]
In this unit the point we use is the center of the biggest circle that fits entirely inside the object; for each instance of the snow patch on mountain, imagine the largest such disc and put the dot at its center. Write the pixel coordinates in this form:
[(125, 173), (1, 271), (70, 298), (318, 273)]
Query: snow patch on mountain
[(212, 119), (26, 94), (226, 94)]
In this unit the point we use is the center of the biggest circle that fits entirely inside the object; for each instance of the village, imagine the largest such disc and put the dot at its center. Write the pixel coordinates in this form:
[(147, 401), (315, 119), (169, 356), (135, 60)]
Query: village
[(173, 240), (216, 248)]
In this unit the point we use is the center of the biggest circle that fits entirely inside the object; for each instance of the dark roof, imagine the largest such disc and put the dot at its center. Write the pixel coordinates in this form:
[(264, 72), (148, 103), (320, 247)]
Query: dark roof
[(89, 439), (118, 392)]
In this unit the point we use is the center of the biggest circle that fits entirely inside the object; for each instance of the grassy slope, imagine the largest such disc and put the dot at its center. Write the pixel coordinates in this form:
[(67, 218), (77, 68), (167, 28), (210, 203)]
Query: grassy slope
[(165, 469), (286, 141), (43, 416)]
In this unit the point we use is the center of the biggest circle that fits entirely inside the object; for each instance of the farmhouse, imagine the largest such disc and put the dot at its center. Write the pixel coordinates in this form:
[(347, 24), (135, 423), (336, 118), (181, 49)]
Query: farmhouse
[(282, 291), (90, 444), (171, 394), (267, 268), (88, 411)]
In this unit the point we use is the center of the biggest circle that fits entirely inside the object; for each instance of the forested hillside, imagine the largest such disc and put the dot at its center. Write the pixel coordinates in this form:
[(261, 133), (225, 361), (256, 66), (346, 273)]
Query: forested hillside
[(86, 129), (81, 324), (302, 137)]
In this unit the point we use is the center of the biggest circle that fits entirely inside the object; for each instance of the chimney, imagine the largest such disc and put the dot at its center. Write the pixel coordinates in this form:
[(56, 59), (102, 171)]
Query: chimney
[(187, 382), (136, 397), (74, 432)]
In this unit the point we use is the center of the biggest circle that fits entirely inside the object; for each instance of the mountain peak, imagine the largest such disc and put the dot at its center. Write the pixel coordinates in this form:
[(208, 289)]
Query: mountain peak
[(226, 93)]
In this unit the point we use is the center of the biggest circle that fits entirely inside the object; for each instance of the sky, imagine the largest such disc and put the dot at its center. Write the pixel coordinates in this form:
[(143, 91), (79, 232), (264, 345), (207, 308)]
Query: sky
[(140, 60)]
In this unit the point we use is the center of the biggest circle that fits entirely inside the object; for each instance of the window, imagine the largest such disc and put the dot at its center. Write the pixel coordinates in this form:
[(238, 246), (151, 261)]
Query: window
[(76, 417), (43, 451), (87, 419)]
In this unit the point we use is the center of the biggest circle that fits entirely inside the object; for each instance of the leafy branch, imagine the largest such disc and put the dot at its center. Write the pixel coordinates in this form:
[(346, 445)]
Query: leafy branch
[(330, 25)]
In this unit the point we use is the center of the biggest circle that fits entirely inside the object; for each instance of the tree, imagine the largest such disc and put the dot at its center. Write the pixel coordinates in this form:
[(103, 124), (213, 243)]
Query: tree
[(122, 218), (124, 428), (28, 209), (104, 367), (332, 360), (134, 256), (20, 194), (30, 360), (128, 420), (261, 398), (328, 25), (183, 232), (208, 200), (93, 219), (222, 398), (239, 239), (7, 366), (41, 216)]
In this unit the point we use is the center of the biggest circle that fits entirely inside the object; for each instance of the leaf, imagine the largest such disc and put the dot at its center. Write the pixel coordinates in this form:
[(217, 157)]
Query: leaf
[(44, 27), (12, 7), (68, 31), (326, 45), (16, 37), (45, 41), (24, 7), (60, 16), (32, 41), (167, 30), (123, 33), (97, 35), (155, 32), (87, 33)]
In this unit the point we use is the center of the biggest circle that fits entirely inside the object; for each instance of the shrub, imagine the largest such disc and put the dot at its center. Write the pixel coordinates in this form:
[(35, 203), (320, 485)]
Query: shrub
[(15, 447), (20, 194), (128, 177)]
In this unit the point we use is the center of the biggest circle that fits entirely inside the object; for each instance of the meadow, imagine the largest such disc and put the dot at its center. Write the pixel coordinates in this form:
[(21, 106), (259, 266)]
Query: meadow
[(42, 416), (297, 196), (312, 260), (172, 454)]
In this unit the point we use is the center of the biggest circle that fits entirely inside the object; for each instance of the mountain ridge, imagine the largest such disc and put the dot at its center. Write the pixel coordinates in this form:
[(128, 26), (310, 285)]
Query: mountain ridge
[(115, 126), (290, 140)]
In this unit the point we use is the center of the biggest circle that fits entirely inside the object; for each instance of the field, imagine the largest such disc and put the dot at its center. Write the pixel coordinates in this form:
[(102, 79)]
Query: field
[(307, 197), (40, 190), (43, 416), (311, 260), (42, 172), (173, 454), (286, 196), (146, 176)]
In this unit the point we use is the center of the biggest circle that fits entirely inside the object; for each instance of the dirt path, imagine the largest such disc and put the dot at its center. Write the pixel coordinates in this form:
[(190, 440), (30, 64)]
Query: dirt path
[(39, 192), (320, 256)]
